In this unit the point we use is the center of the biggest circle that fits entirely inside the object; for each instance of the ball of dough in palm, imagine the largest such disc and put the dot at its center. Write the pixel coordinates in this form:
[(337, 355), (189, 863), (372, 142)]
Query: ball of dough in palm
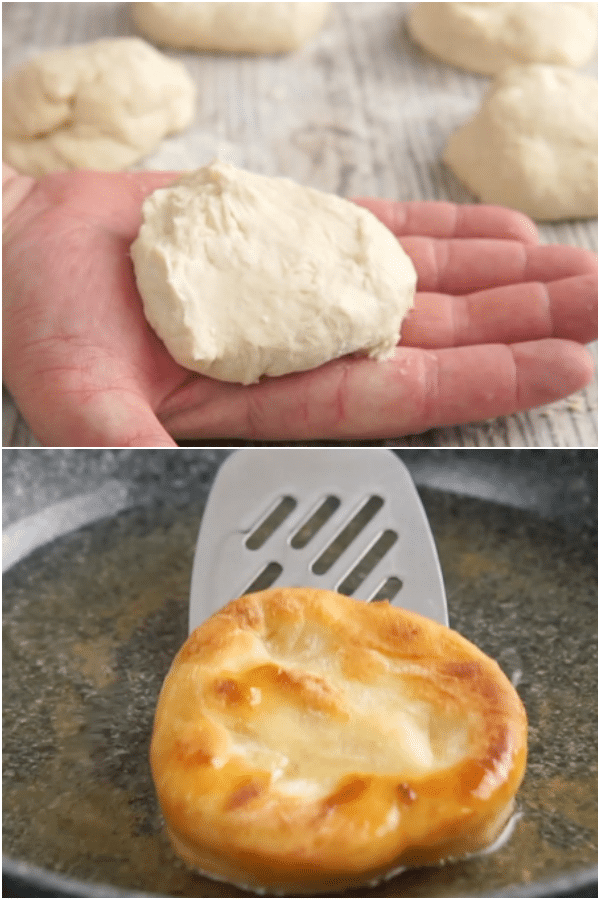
[(243, 275)]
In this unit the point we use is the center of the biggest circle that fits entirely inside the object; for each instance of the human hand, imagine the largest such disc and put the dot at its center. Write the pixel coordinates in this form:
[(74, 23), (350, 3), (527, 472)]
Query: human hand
[(498, 326)]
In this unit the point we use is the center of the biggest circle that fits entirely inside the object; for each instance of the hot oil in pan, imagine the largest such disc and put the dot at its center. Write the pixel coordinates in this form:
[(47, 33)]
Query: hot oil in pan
[(93, 621)]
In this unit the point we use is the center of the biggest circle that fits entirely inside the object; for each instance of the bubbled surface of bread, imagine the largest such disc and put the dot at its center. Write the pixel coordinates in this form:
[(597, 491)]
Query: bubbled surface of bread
[(305, 741)]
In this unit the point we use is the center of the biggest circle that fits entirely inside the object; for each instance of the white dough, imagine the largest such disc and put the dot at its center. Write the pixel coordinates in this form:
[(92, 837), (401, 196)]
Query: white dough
[(102, 105), (488, 37), (230, 27), (533, 145), (242, 275)]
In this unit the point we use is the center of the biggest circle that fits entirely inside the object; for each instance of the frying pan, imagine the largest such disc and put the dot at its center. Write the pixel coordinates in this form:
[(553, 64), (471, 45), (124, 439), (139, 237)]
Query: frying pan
[(98, 548)]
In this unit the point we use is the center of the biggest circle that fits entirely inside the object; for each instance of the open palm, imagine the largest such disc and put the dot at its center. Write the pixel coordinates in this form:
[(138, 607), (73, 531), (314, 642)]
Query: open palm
[(499, 325)]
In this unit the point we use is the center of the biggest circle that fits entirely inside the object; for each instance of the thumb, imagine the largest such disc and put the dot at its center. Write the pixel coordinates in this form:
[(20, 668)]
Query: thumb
[(105, 418), (118, 420)]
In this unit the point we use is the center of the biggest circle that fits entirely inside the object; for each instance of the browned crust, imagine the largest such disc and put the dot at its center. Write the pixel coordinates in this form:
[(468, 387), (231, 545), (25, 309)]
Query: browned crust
[(224, 816)]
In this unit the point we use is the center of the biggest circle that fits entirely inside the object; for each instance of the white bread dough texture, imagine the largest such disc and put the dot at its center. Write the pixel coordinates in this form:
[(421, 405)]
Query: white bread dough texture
[(242, 275), (102, 105), (230, 27), (488, 37), (533, 145)]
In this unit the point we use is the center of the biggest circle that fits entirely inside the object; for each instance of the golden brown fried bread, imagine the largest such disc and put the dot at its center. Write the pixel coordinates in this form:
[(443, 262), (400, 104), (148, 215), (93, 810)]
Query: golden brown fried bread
[(307, 742)]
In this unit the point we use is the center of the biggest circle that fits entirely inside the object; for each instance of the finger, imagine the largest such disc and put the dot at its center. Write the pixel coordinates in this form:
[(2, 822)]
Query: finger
[(452, 220), (522, 312), (461, 267), (122, 422), (361, 399), (502, 380)]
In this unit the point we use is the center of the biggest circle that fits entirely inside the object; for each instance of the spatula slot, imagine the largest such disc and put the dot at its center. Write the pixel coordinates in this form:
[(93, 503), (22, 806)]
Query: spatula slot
[(315, 522), (388, 590), (271, 522), (265, 578), (346, 519), (349, 533), (367, 562)]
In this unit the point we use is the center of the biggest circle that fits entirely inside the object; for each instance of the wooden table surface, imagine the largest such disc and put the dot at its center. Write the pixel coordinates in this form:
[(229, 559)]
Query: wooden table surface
[(358, 111)]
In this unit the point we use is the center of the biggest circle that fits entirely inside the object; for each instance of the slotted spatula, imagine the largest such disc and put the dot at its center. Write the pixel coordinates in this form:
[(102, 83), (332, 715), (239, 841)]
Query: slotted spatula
[(346, 519)]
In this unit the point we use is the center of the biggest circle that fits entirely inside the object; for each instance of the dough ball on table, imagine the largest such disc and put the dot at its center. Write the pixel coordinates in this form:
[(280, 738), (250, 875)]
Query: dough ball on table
[(103, 105), (242, 275), (533, 145), (488, 37), (305, 742), (230, 27)]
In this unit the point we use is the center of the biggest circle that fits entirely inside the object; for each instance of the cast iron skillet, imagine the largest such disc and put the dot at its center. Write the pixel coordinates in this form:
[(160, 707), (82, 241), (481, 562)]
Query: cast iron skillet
[(97, 551)]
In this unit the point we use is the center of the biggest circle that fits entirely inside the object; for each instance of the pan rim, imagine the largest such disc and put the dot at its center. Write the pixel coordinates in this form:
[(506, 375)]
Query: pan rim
[(584, 881)]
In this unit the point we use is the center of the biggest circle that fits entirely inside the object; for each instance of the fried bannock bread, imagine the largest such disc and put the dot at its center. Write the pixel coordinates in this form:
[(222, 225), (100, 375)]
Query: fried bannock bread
[(306, 742)]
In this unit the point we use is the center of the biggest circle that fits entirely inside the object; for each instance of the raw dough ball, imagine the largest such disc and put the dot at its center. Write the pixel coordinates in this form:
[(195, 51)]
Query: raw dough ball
[(488, 37), (102, 105), (230, 27), (533, 145), (243, 275)]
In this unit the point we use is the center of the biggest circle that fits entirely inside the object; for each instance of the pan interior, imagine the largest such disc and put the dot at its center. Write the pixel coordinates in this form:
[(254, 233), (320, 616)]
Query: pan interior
[(93, 619)]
